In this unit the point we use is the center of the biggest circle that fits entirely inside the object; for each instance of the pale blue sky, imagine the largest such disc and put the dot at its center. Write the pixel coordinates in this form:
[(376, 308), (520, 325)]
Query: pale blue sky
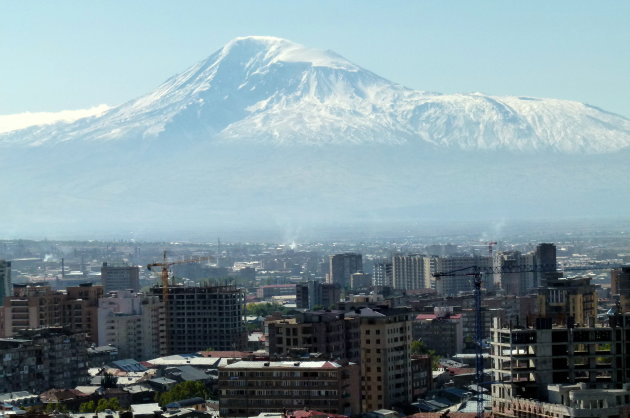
[(57, 55)]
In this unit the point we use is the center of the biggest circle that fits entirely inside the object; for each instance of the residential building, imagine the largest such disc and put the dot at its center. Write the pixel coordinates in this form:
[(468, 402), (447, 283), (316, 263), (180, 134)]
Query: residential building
[(342, 266), (570, 401), (441, 331), (314, 294), (6, 287), (527, 360), (199, 318), (249, 388), (33, 307), (545, 263), (621, 283), (453, 285), (515, 273), (421, 375), (40, 359), (408, 272), (270, 290), (134, 323), (331, 334), (120, 277), (568, 301), (383, 272), (360, 281), (385, 338)]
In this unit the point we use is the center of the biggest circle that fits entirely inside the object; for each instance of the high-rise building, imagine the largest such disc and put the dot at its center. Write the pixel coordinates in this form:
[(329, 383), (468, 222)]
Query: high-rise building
[(314, 294), (545, 263), (6, 288), (408, 272), (620, 285), (568, 301), (516, 275), (120, 277), (383, 271), (249, 388), (34, 307), (329, 333), (526, 361), (134, 323), (342, 266), (452, 285), (200, 318), (385, 338)]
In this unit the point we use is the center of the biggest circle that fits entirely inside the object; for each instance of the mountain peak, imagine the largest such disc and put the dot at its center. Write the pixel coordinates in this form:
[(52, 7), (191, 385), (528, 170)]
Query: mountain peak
[(274, 50)]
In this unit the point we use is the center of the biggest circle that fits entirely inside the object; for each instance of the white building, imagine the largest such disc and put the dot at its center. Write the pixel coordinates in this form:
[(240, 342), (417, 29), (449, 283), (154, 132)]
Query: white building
[(132, 322)]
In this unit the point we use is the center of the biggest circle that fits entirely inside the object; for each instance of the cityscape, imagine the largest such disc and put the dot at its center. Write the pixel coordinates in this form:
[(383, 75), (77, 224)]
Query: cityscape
[(315, 209), (378, 328)]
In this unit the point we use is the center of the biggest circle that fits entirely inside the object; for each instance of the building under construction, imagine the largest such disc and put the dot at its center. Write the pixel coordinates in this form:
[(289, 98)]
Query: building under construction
[(205, 317)]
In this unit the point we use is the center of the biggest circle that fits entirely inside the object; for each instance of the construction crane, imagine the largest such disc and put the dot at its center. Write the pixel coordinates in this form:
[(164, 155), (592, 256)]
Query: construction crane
[(164, 266), (477, 280), (477, 274)]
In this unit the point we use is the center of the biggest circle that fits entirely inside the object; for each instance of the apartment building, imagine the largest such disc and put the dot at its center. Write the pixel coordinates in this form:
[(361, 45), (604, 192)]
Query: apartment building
[(620, 286), (453, 285), (442, 331), (572, 401), (249, 388), (568, 301), (331, 334), (134, 323), (383, 272), (6, 288), (120, 277), (385, 338), (527, 360), (33, 307), (199, 318), (41, 359), (341, 266), (314, 294), (408, 272)]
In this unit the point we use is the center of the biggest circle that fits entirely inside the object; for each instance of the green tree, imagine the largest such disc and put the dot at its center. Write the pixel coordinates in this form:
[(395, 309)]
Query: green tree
[(87, 407), (111, 403), (181, 391), (264, 309), (419, 347), (108, 381)]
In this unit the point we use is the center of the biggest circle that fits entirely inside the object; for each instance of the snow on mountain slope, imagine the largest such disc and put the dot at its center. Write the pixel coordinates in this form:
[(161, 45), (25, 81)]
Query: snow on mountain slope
[(271, 90)]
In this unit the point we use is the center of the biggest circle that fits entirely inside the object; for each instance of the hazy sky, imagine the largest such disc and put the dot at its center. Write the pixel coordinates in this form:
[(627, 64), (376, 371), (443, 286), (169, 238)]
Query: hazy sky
[(60, 55)]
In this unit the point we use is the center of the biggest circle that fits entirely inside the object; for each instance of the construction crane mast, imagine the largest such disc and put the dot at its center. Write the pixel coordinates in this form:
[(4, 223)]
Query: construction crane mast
[(477, 281), (164, 266)]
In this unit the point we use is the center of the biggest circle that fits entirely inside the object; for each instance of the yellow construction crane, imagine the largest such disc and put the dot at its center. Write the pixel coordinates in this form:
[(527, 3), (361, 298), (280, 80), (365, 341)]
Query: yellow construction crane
[(165, 265)]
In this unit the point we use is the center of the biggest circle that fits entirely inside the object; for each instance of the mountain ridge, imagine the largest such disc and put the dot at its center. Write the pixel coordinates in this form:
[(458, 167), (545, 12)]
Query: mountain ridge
[(271, 90)]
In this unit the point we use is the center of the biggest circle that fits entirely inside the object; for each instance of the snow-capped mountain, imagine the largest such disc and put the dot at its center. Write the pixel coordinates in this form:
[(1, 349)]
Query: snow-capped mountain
[(267, 134), (271, 90)]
